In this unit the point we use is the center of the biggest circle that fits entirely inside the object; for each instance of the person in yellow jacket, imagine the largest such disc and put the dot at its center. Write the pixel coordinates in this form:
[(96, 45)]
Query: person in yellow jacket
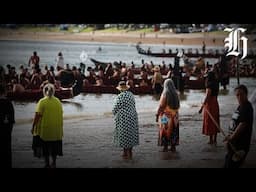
[(47, 127)]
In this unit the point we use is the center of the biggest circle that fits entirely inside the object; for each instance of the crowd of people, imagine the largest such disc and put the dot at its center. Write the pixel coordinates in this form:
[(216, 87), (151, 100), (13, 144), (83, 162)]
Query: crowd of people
[(47, 127), (147, 75)]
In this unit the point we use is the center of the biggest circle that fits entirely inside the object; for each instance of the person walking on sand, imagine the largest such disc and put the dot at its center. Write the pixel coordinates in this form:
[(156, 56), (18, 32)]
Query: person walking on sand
[(48, 126), (240, 129), (211, 107), (168, 117), (126, 133), (6, 124)]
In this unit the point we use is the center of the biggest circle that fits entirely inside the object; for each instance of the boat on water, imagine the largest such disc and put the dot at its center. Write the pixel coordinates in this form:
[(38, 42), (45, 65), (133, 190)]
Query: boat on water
[(37, 94), (68, 93), (210, 54)]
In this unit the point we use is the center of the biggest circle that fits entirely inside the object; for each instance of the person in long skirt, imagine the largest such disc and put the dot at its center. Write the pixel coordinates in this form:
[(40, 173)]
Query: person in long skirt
[(47, 128), (211, 108), (168, 117), (126, 133)]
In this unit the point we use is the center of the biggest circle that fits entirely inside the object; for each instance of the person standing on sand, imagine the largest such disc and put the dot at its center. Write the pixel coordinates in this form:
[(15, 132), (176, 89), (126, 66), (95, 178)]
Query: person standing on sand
[(157, 80), (126, 133), (48, 126), (6, 124), (168, 115), (211, 106), (203, 47), (240, 129), (252, 99)]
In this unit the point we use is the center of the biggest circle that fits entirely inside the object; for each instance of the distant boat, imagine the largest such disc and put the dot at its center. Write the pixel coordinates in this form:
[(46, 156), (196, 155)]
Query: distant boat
[(215, 54), (99, 63)]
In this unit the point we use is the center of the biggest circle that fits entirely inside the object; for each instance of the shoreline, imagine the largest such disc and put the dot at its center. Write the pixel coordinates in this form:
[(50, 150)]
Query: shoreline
[(129, 37), (82, 150)]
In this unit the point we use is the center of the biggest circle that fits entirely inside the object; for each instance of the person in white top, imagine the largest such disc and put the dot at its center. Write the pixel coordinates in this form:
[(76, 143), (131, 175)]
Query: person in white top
[(60, 61)]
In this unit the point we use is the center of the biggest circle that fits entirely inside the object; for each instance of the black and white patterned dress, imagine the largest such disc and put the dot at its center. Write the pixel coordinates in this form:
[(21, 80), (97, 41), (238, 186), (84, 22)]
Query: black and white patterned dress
[(126, 133)]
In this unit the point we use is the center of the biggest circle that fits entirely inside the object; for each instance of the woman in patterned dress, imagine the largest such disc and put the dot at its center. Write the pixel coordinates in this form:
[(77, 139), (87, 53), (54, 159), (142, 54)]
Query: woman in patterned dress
[(167, 116), (126, 133)]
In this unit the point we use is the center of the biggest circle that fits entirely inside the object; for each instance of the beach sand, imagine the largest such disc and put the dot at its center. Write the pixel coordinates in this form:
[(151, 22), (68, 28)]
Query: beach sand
[(87, 143), (117, 37)]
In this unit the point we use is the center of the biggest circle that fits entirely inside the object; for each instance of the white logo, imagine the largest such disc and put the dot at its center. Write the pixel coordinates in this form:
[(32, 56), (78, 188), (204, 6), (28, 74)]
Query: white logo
[(233, 42)]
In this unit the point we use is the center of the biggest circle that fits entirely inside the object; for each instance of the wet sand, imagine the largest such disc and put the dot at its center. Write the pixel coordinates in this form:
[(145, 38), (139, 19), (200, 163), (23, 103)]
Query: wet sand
[(88, 143)]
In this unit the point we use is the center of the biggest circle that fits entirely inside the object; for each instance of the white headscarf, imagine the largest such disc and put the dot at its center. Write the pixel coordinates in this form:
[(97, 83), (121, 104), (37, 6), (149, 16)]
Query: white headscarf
[(49, 90), (171, 94)]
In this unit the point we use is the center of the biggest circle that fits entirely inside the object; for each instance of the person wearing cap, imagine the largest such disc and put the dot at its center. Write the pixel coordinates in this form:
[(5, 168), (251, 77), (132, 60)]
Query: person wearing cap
[(168, 117), (157, 80), (47, 128), (211, 106), (126, 132)]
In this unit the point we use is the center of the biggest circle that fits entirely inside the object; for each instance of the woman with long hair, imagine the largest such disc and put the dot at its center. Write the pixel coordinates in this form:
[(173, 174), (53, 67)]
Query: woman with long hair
[(211, 108), (168, 117)]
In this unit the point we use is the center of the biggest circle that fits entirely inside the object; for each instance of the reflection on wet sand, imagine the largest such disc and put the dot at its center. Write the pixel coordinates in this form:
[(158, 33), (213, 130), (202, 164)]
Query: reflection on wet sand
[(169, 155), (78, 105), (224, 92)]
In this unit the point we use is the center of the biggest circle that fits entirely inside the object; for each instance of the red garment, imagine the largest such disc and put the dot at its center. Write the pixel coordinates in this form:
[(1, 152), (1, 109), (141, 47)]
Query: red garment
[(209, 127)]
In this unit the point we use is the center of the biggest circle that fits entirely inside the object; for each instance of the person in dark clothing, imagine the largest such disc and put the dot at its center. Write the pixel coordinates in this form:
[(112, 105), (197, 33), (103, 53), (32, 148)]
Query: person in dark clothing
[(34, 60), (203, 47), (224, 72), (6, 124), (240, 129)]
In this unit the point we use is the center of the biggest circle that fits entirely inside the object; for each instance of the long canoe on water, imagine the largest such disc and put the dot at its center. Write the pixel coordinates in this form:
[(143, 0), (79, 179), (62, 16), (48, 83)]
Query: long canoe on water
[(140, 90), (104, 64), (35, 95), (215, 54)]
